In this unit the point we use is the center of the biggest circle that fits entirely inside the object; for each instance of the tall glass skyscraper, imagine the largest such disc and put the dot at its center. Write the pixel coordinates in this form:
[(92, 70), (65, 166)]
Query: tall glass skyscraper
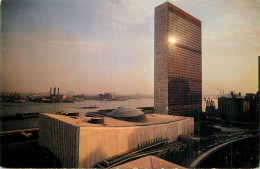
[(177, 61)]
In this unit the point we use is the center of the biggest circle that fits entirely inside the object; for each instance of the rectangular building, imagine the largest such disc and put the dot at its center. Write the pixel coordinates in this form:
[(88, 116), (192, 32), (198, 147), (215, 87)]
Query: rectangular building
[(234, 109), (79, 143), (177, 61)]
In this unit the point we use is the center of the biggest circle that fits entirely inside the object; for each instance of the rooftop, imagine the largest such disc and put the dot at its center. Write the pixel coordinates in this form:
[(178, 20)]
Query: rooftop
[(125, 112), (111, 122), (171, 5), (149, 162)]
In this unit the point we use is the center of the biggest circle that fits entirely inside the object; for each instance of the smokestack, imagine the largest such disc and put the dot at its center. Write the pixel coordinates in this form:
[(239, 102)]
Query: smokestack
[(50, 91), (58, 91), (54, 92)]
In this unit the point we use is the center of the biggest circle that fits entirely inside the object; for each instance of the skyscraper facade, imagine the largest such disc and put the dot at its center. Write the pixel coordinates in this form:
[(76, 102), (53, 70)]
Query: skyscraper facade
[(177, 61)]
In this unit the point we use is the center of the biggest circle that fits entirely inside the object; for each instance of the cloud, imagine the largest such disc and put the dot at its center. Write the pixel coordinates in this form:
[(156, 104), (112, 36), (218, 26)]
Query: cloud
[(120, 14), (89, 47)]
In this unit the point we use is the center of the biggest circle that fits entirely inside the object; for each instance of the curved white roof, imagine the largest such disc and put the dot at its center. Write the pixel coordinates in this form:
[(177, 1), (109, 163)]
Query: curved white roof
[(125, 112)]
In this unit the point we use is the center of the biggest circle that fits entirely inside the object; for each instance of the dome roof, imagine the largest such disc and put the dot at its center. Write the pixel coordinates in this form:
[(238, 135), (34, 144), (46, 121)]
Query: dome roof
[(125, 112)]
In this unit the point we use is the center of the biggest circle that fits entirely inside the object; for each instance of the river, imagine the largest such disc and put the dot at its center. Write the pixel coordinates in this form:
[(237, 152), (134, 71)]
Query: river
[(31, 107)]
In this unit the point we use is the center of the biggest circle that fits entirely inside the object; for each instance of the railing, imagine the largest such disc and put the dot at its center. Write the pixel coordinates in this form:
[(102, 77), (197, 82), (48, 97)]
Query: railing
[(17, 131), (143, 149)]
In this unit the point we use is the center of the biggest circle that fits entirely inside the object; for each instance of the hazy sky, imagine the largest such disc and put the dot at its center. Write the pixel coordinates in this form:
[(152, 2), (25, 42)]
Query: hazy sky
[(93, 46)]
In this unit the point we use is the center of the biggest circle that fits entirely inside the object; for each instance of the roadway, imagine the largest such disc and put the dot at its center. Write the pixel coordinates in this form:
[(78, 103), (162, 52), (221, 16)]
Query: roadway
[(209, 152)]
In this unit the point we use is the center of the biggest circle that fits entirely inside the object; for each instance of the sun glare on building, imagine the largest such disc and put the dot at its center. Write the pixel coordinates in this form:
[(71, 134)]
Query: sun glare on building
[(171, 40)]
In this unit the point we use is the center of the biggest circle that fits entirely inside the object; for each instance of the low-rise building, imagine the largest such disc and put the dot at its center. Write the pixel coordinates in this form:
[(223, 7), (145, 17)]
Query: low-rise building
[(83, 141)]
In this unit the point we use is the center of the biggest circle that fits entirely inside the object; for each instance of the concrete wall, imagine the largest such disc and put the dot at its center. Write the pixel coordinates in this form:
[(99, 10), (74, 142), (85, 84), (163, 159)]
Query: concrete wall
[(60, 138), (161, 59), (98, 143)]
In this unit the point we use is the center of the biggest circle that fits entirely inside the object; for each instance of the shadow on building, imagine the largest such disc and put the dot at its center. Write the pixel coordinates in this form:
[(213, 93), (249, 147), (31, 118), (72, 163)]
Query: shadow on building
[(184, 100)]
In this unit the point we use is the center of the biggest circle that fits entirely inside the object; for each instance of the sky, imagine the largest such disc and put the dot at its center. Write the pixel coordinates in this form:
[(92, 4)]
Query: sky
[(91, 47)]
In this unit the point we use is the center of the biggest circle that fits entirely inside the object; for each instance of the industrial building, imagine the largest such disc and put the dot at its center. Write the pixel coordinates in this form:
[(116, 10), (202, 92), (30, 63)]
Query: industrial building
[(54, 96), (177, 61), (84, 141), (107, 96)]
